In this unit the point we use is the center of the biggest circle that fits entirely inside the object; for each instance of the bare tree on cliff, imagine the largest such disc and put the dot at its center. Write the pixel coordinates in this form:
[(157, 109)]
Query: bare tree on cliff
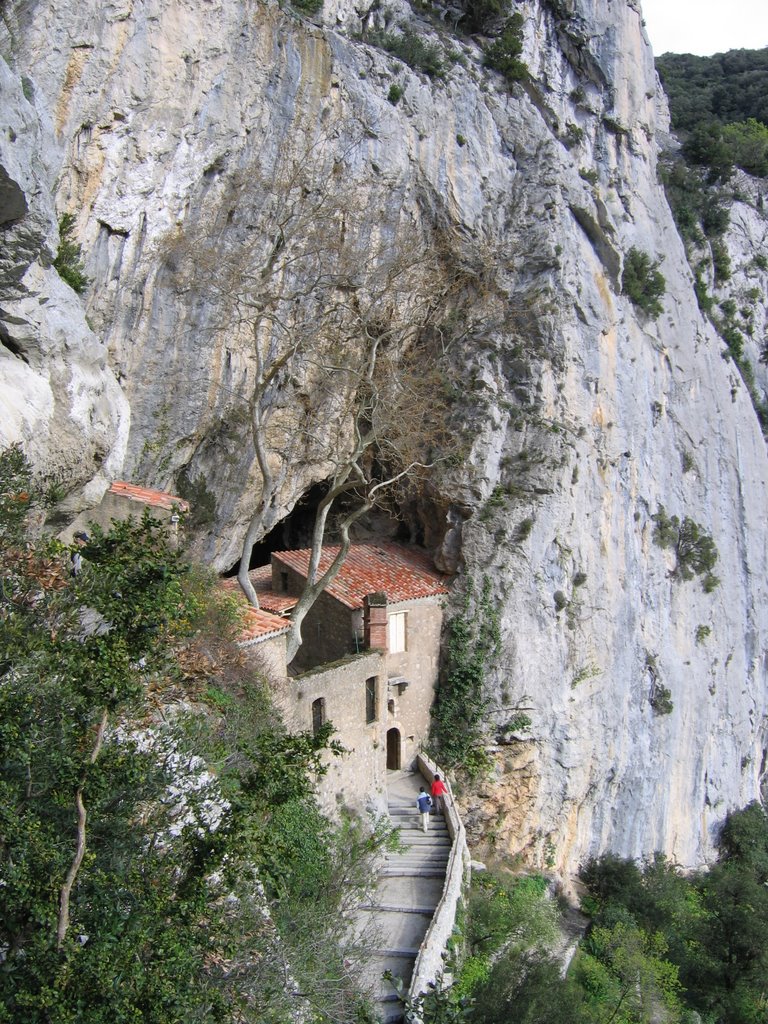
[(343, 319)]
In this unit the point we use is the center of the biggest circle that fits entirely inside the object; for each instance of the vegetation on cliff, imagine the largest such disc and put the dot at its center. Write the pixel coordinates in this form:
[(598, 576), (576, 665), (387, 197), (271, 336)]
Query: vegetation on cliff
[(718, 108), (162, 856), (659, 945)]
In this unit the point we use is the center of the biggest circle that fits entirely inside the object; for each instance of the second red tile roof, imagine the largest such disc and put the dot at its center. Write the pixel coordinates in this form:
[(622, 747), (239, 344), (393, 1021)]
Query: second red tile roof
[(261, 579), (402, 573), (148, 496)]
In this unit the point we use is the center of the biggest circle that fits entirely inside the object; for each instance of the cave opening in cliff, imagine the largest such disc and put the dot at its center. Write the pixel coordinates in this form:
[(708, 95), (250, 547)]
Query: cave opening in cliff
[(295, 531)]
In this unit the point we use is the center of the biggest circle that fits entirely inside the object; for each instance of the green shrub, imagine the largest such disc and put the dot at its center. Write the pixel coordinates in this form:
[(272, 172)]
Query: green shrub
[(661, 700), (721, 261), (614, 126), (704, 299), (589, 174), (695, 550), (573, 135), (699, 209), (642, 282), (412, 50), (733, 338), (68, 262), (479, 15), (460, 710), (524, 528), (561, 601), (395, 94), (308, 7), (503, 54), (702, 632)]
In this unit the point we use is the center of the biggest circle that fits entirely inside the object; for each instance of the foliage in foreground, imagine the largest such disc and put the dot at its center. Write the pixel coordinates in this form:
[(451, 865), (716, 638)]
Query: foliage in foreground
[(138, 884), (708, 929)]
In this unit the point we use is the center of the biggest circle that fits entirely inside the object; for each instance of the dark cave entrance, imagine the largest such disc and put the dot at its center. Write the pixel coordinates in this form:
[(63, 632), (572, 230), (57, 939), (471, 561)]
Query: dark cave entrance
[(295, 531)]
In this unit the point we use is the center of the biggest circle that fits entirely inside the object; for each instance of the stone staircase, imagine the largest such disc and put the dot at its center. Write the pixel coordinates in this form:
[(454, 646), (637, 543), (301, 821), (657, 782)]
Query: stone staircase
[(409, 888)]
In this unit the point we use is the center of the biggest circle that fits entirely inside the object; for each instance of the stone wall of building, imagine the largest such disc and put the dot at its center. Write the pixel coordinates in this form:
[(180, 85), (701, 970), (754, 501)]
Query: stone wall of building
[(118, 507), (327, 631), (267, 656), (357, 779), (418, 666)]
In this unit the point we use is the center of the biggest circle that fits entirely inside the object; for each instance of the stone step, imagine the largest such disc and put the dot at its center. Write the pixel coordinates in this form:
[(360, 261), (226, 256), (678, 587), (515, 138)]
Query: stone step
[(415, 826), (417, 862), (429, 838), (393, 908), (411, 890), (415, 867), (428, 853), (405, 834), (405, 872), (403, 812)]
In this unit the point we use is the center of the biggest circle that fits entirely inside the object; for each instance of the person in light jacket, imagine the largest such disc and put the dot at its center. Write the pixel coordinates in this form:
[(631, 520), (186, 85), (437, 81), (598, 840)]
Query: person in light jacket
[(424, 804)]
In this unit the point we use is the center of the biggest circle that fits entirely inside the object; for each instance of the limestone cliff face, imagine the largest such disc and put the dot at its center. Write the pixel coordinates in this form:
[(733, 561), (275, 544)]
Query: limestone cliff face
[(174, 124), (58, 395)]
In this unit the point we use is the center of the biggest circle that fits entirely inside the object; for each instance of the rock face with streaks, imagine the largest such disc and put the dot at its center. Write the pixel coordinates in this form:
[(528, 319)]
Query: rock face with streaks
[(58, 395), (176, 134)]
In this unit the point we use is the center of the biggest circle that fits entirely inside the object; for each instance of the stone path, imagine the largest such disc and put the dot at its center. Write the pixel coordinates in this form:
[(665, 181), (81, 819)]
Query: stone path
[(409, 888)]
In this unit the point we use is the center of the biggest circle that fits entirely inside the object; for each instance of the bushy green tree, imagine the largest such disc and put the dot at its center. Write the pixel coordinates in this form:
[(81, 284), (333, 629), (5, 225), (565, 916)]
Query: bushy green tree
[(643, 282), (711, 927), (503, 54), (479, 15), (749, 143), (69, 257), (460, 711)]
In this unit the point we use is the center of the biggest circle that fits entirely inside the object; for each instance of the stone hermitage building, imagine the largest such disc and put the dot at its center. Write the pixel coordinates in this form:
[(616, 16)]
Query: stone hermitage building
[(368, 662), (370, 653)]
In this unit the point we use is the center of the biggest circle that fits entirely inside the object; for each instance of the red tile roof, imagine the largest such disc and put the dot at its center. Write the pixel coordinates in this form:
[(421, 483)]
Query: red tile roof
[(259, 623), (403, 574), (270, 601), (147, 496)]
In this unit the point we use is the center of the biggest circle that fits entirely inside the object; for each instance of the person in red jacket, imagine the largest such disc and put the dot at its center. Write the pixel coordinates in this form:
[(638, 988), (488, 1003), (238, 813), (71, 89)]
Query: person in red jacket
[(439, 792)]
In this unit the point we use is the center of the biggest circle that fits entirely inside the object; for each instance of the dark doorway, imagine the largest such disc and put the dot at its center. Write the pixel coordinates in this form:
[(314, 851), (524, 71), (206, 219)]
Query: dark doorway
[(393, 749)]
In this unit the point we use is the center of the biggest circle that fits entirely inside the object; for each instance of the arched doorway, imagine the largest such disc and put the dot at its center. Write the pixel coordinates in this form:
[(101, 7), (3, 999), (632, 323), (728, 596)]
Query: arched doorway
[(393, 749)]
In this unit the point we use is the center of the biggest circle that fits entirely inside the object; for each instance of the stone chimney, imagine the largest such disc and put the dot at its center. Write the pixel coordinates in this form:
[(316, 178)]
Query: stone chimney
[(375, 621)]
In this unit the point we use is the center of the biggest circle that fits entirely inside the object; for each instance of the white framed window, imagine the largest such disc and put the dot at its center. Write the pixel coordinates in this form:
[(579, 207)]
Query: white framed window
[(371, 703), (318, 715), (396, 627)]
